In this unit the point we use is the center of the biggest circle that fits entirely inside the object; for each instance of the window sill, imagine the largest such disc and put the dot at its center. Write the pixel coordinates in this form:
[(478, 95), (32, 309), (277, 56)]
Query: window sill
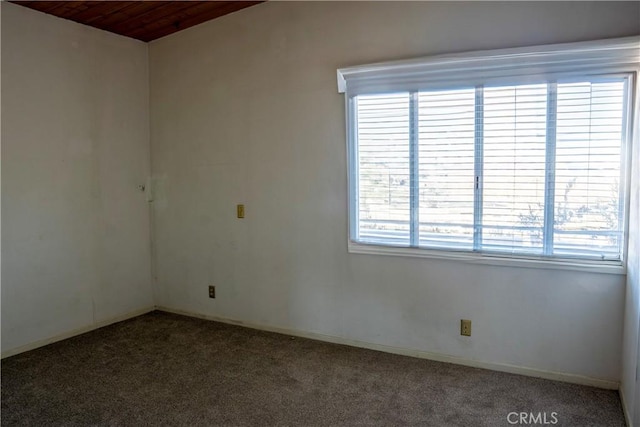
[(604, 267)]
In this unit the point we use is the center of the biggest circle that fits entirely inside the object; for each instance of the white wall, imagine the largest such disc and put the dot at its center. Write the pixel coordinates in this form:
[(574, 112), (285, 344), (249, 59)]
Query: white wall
[(630, 386), (245, 109), (75, 145)]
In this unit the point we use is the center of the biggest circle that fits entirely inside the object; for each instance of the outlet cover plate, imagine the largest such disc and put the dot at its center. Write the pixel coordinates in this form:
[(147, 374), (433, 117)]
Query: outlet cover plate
[(465, 327)]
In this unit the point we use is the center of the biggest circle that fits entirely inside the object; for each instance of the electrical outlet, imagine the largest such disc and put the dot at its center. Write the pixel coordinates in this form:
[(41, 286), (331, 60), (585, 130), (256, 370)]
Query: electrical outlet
[(465, 327), (212, 291), (240, 211)]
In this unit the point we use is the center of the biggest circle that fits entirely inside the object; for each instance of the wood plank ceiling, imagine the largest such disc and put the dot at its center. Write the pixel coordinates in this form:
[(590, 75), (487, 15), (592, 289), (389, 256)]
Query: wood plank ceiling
[(142, 20)]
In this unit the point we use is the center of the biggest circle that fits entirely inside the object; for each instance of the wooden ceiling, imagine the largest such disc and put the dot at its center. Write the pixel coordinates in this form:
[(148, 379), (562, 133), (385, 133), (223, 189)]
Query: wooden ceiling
[(142, 20)]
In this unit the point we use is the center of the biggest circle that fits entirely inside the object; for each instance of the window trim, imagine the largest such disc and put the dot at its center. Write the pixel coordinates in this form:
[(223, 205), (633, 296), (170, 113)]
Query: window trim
[(503, 66), (506, 66), (489, 258)]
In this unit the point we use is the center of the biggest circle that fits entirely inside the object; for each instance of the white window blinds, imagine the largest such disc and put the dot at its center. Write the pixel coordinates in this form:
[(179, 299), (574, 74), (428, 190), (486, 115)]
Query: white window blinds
[(446, 168), (524, 169), (384, 172), (589, 206), (517, 152), (513, 179)]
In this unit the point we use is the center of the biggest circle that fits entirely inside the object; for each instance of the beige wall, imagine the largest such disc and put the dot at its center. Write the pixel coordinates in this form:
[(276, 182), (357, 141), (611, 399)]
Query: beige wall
[(75, 145), (245, 109)]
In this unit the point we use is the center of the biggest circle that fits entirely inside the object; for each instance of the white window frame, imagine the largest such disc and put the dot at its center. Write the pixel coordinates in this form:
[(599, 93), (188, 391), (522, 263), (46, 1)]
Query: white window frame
[(494, 67)]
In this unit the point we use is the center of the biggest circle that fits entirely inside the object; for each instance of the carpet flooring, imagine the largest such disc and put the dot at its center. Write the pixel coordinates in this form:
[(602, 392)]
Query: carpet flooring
[(162, 369)]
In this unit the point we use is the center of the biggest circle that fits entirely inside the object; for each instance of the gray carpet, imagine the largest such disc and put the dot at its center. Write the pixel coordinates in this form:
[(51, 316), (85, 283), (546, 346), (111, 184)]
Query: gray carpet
[(165, 369)]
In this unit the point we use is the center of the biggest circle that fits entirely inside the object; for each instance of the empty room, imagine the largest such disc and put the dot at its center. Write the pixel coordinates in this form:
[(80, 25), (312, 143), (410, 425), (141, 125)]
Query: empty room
[(298, 213)]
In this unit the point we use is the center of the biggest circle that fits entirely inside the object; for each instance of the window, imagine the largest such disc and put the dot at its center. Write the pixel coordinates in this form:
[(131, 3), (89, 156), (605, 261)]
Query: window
[(512, 153)]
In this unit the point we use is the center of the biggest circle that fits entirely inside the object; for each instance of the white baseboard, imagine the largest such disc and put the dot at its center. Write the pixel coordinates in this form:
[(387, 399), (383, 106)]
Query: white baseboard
[(74, 332), (501, 367), (625, 408)]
